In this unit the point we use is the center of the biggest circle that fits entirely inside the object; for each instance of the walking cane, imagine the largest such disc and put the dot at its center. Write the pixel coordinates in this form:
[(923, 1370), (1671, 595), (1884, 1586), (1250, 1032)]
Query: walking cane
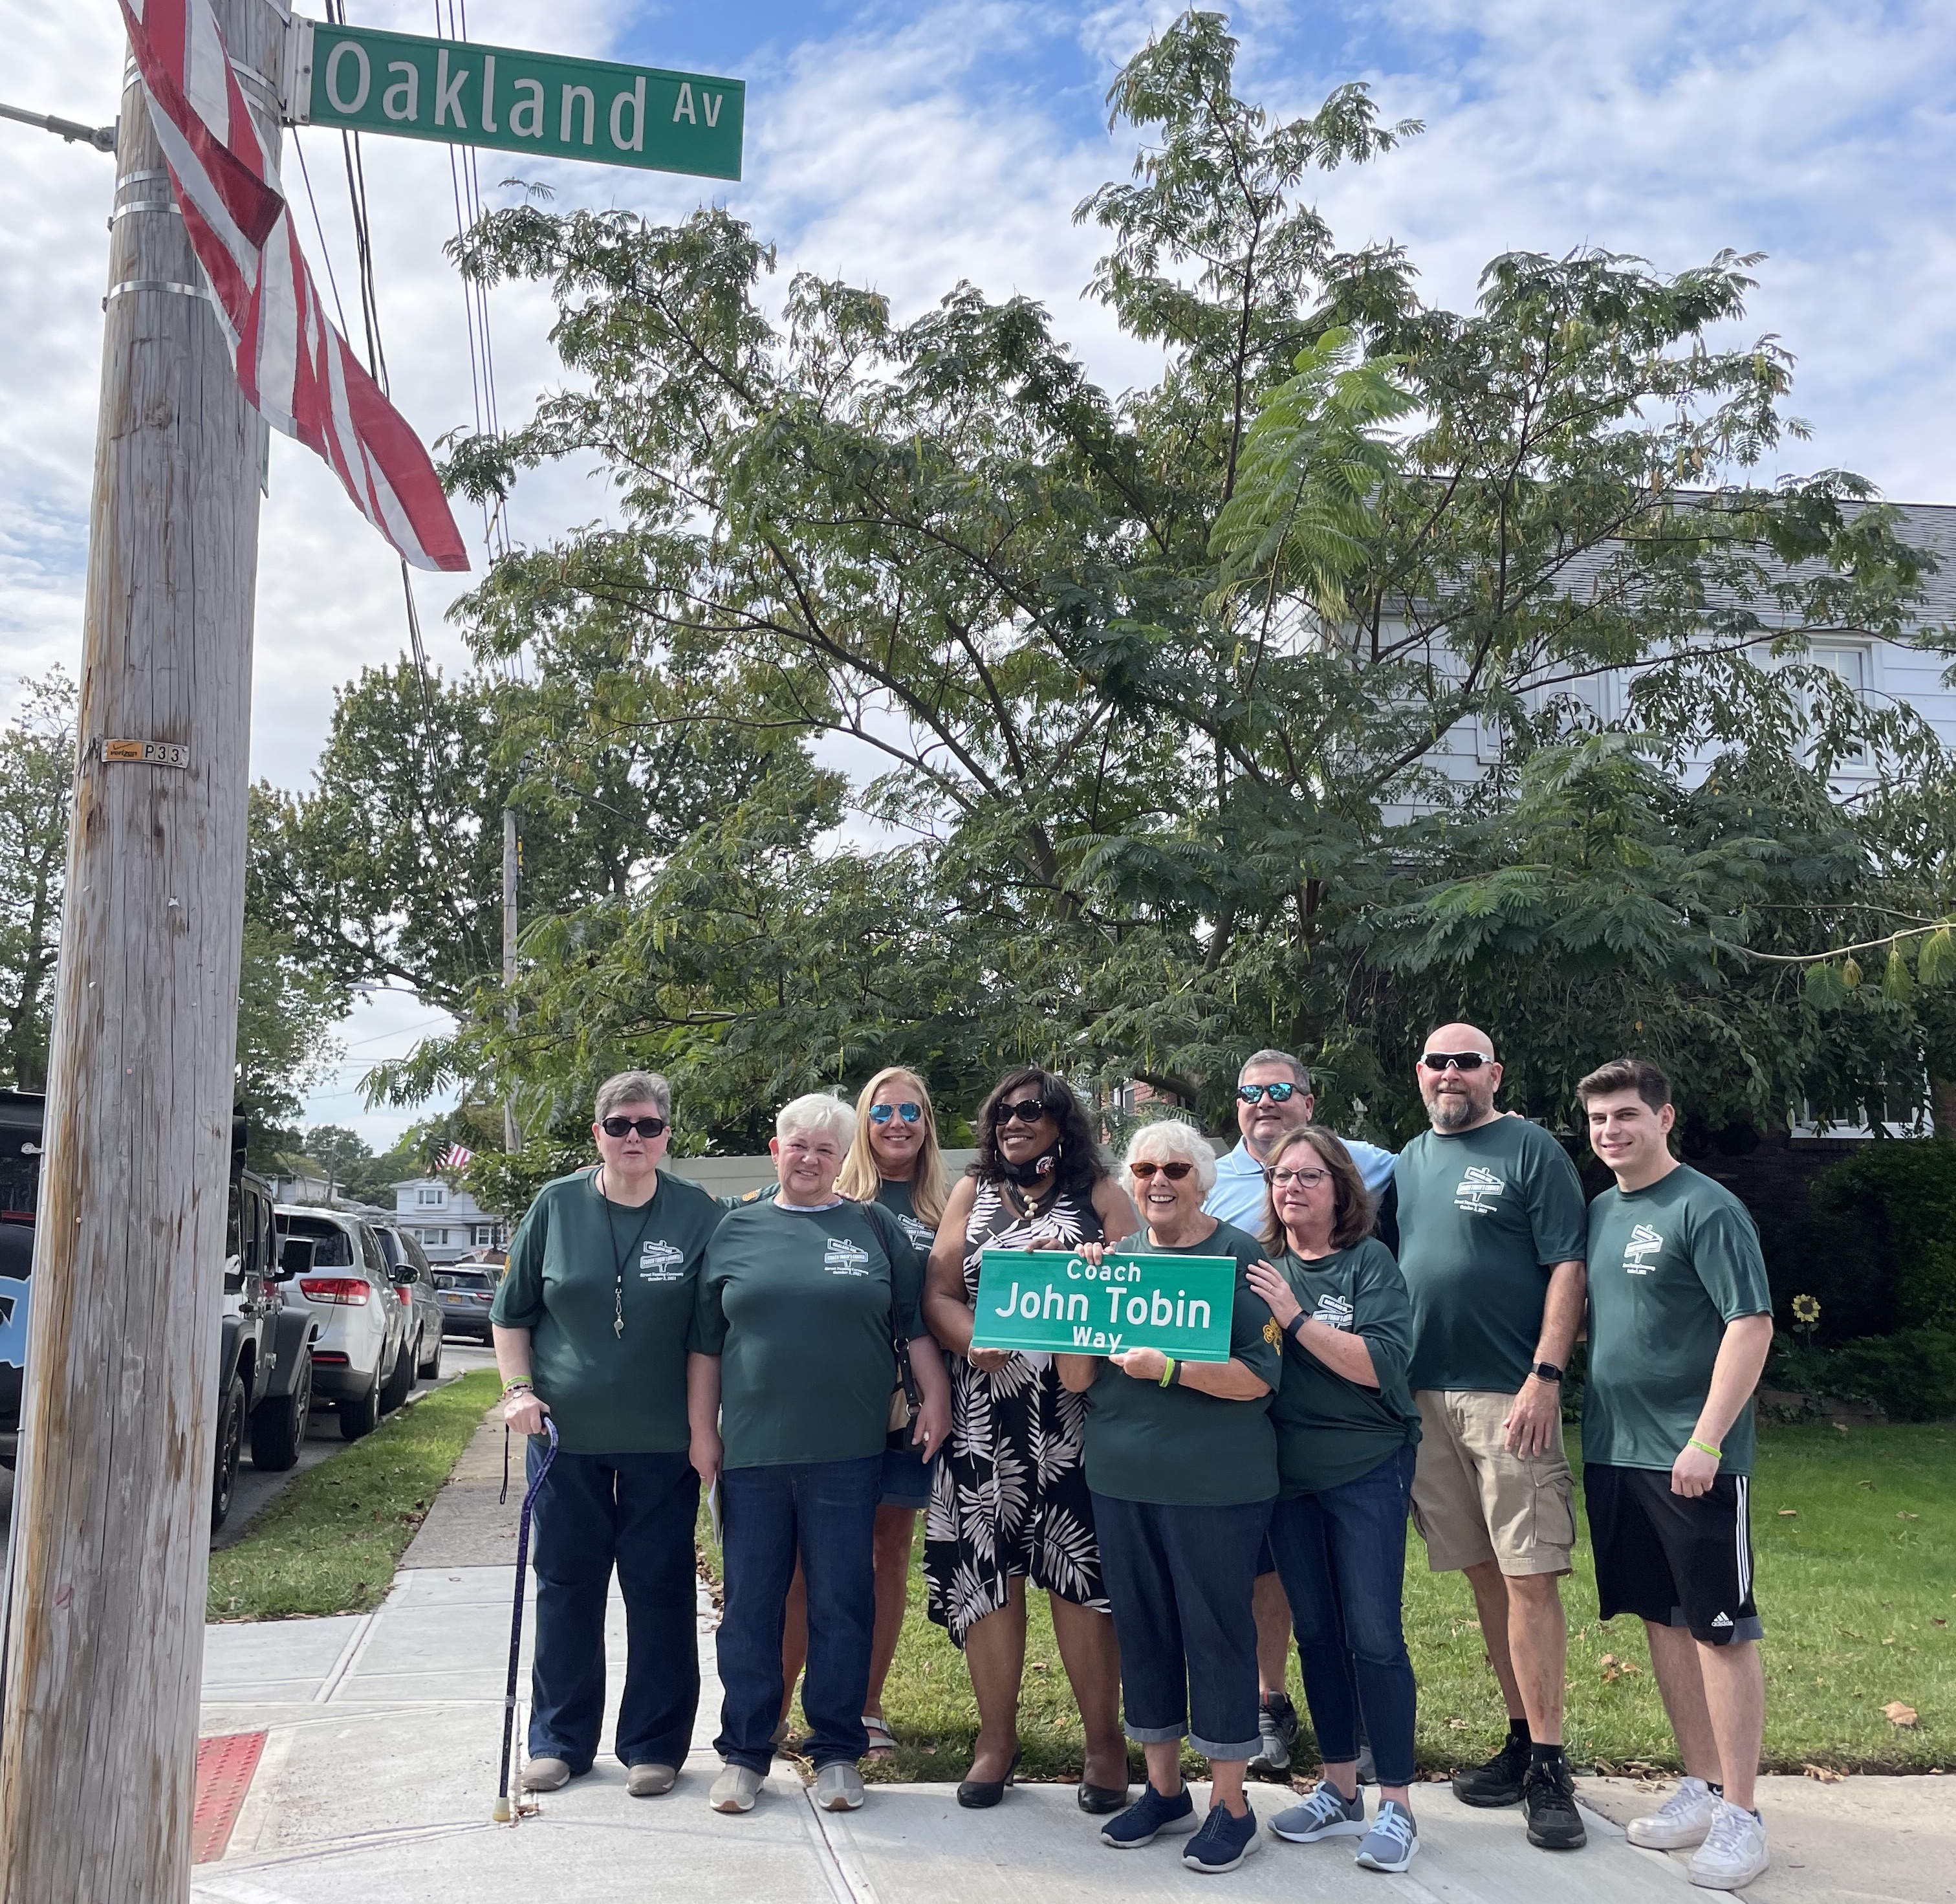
[(502, 1813)]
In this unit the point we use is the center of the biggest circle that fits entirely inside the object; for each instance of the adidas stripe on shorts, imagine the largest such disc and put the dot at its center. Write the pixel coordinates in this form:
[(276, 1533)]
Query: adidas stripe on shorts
[(1670, 1560)]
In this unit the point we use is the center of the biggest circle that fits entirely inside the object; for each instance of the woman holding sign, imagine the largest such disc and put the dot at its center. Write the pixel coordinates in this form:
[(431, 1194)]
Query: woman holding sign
[(1346, 1429), (1183, 1466), (1010, 1502)]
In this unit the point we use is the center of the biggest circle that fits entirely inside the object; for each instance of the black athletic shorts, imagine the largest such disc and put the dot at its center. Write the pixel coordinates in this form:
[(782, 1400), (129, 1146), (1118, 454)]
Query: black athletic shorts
[(1670, 1560)]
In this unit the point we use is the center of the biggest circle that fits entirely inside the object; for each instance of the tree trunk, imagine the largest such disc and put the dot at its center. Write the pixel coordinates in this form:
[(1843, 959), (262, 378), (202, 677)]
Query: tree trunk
[(111, 1523)]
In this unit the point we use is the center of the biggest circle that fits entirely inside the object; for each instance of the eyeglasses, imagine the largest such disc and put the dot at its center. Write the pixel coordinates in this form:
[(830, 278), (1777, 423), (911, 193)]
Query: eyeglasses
[(1255, 1093), (1304, 1179), (646, 1127), (882, 1113), (1459, 1060), (1027, 1111), (1174, 1173)]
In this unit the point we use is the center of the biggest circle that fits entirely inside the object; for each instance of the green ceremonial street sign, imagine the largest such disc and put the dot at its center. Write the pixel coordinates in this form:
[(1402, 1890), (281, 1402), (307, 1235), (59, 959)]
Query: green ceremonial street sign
[(1048, 1301), (463, 94)]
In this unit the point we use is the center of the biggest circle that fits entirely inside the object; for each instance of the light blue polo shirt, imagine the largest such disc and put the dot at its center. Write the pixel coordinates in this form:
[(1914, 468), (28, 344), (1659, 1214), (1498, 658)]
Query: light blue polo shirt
[(1240, 1189)]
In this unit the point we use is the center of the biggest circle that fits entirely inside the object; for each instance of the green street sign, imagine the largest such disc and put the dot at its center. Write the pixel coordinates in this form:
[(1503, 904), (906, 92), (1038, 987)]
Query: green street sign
[(1048, 1301), (463, 94)]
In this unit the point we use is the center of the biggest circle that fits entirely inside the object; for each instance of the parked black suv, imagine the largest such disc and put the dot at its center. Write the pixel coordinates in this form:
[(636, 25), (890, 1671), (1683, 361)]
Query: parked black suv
[(264, 1367)]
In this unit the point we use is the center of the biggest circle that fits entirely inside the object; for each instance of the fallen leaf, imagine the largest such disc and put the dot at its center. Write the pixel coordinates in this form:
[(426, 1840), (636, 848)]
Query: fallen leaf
[(1789, 1514), (1898, 1714), (1615, 1669), (1825, 1774), (1869, 1484), (1905, 1515), (1457, 1725), (1938, 1622)]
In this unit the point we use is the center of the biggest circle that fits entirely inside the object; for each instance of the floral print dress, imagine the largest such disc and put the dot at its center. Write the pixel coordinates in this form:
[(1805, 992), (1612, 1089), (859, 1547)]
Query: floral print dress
[(1010, 1496)]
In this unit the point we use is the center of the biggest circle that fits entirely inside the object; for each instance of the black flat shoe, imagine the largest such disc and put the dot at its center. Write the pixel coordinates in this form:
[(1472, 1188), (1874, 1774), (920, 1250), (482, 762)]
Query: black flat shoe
[(1100, 1799), (980, 1794)]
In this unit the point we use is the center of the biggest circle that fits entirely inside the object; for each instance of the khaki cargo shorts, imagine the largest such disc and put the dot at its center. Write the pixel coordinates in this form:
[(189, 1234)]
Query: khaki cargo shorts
[(1472, 1501)]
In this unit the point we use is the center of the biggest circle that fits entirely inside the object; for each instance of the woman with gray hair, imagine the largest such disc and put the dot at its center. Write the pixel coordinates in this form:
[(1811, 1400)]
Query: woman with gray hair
[(592, 1325), (808, 1312), (1182, 1462)]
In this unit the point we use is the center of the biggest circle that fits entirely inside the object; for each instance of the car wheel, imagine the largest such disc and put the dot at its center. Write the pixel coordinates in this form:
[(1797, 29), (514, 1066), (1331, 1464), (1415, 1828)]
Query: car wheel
[(400, 1378), (230, 1451), (361, 1415), (432, 1372), (278, 1426)]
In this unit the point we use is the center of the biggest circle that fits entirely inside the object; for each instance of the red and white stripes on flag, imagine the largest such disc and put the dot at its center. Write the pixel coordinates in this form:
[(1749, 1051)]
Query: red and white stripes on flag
[(292, 364), (456, 1158)]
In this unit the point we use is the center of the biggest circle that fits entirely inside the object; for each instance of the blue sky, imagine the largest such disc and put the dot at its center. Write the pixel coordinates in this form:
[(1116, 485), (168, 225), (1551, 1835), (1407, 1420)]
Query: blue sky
[(908, 146)]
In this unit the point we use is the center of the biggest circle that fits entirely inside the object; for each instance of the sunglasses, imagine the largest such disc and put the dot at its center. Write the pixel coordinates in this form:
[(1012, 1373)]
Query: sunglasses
[(1459, 1060), (1027, 1111), (882, 1113), (1304, 1179), (1256, 1093), (1174, 1173), (646, 1127)]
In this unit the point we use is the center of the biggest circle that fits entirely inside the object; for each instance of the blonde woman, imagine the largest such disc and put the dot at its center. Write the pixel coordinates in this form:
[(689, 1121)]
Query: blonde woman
[(894, 1160)]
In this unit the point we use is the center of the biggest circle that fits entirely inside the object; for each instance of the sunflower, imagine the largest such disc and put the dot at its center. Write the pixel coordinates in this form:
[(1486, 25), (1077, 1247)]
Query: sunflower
[(1806, 1310)]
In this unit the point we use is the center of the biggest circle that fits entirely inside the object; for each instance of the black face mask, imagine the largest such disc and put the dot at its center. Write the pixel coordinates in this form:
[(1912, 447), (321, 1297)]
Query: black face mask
[(1036, 1172)]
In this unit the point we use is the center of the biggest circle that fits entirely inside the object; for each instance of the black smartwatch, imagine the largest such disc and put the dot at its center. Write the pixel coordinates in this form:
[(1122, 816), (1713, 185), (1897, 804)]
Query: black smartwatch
[(1546, 1372)]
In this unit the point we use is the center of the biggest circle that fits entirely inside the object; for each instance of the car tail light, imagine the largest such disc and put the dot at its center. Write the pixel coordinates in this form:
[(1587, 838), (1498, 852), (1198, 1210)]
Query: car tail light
[(355, 1289), (406, 1295), (330, 1358)]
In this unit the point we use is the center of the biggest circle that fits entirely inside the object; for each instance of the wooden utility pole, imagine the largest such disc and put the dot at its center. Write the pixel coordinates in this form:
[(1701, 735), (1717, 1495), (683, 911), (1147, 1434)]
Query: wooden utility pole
[(111, 1521), (512, 1135)]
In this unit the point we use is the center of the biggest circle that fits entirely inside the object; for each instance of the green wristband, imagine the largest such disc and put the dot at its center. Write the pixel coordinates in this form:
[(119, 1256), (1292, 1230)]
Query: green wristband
[(1168, 1371), (1705, 1448)]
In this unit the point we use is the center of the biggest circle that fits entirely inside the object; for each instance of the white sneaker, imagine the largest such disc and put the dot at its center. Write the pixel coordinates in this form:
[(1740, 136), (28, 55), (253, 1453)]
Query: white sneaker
[(1682, 1820), (1734, 1852), (839, 1787), (736, 1789)]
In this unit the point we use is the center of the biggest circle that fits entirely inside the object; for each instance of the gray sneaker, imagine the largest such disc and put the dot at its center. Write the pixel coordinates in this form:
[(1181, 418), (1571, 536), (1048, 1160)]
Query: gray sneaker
[(839, 1787), (1734, 1852), (1393, 1843), (1681, 1822), (736, 1789), (1276, 1733), (546, 1774), (650, 1780), (1325, 1813)]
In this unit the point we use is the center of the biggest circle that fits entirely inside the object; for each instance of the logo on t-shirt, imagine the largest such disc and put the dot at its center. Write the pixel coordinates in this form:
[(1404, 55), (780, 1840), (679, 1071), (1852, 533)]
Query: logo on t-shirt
[(1333, 1311), (843, 1258), (918, 1233), (660, 1262), (1644, 1242), (1475, 1189)]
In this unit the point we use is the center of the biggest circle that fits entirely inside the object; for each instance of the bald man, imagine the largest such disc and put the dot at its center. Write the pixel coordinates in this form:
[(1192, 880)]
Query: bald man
[(1493, 1230)]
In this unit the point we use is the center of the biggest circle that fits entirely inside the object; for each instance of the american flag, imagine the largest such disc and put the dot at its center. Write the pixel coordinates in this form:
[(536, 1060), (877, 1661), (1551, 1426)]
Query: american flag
[(294, 366), (456, 1158)]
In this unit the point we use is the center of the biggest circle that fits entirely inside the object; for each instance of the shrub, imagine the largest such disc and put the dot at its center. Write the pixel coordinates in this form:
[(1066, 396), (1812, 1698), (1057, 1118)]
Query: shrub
[(1909, 1376), (1898, 1200)]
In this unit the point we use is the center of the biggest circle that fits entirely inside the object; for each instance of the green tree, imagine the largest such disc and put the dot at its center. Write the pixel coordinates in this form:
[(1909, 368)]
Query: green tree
[(37, 789)]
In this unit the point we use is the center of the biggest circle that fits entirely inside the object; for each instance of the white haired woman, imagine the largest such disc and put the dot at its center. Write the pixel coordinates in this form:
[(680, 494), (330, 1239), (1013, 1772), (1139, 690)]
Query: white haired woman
[(592, 1324), (802, 1300), (1182, 1462)]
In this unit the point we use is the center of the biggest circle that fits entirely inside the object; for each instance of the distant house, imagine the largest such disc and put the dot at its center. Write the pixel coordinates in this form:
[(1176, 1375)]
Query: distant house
[(447, 1222)]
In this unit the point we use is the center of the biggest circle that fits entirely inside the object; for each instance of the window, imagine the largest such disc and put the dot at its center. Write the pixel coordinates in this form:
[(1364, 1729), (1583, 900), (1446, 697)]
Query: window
[(436, 1237), (483, 1236), (430, 1197), (1850, 665)]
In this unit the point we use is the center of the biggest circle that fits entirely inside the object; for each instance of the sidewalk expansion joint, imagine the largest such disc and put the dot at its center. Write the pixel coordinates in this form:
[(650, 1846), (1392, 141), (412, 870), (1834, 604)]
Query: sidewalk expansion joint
[(841, 1863)]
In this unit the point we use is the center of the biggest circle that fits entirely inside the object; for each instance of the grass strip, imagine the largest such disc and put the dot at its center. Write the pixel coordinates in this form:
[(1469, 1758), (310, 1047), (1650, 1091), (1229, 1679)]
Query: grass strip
[(329, 1542), (1854, 1533)]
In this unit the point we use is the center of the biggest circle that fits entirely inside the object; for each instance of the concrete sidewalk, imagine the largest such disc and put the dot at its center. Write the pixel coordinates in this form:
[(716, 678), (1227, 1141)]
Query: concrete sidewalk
[(379, 1773)]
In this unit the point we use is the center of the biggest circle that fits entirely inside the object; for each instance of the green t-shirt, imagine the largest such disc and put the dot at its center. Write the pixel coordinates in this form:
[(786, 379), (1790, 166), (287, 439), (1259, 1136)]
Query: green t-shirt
[(609, 1393), (1483, 1216), (1670, 1265), (895, 1197), (1331, 1430), (799, 1304), (1177, 1447)]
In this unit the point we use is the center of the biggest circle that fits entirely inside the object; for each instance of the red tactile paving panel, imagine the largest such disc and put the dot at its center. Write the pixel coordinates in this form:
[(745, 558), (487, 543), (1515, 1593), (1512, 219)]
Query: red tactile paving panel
[(224, 1768)]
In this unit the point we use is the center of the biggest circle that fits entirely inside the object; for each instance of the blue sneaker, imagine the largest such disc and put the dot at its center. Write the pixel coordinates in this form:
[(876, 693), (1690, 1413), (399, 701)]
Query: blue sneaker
[(1393, 1843), (1325, 1813), (1223, 1843), (1147, 1818)]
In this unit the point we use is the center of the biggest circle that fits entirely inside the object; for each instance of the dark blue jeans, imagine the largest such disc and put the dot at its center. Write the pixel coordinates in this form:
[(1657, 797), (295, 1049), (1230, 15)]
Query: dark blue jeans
[(635, 1513), (827, 1510), (1179, 1580), (1341, 1554)]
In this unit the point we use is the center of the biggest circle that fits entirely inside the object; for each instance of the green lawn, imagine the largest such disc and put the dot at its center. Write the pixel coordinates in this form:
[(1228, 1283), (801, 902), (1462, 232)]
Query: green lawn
[(1856, 1586), (330, 1542)]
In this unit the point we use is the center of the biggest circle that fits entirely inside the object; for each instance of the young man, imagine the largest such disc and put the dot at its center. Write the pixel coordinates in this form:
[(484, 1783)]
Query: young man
[(1680, 1319), (1273, 1098), (1491, 1236)]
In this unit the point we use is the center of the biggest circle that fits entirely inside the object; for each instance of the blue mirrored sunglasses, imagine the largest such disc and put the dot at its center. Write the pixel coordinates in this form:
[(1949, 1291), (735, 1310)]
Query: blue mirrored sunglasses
[(1254, 1093), (882, 1113)]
